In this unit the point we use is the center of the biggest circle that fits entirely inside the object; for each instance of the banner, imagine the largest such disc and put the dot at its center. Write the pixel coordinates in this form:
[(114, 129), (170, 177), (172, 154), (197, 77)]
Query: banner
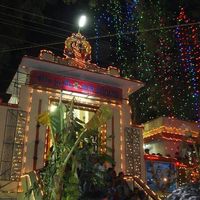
[(45, 79)]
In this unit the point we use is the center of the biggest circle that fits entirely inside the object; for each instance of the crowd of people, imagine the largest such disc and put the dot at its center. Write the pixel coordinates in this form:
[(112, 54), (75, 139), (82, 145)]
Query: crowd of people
[(118, 188), (99, 181)]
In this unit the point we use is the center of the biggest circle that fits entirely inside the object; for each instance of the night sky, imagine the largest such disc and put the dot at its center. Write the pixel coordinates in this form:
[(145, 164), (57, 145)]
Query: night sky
[(21, 31)]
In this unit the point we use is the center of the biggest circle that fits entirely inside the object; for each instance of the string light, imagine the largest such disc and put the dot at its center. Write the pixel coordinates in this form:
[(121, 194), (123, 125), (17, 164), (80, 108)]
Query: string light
[(133, 152), (27, 130), (121, 138), (169, 90), (18, 147), (189, 56), (119, 20), (170, 130)]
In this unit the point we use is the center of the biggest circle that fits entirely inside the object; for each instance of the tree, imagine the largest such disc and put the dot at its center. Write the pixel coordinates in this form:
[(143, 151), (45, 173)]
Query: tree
[(155, 63), (158, 66), (71, 162), (189, 61)]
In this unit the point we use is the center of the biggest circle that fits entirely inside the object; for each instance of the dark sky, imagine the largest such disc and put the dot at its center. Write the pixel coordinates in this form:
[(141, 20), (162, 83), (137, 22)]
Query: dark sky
[(21, 31)]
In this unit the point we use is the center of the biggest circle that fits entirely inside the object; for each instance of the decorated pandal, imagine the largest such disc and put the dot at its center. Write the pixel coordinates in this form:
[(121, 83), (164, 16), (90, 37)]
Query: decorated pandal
[(47, 79), (50, 78), (170, 154)]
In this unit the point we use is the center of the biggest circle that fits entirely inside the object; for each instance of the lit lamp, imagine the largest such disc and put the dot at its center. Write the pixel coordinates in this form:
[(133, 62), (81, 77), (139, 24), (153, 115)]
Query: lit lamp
[(81, 22)]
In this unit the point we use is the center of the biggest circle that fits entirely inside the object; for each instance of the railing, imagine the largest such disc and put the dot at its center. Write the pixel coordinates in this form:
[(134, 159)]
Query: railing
[(12, 145), (142, 185), (28, 182), (30, 179)]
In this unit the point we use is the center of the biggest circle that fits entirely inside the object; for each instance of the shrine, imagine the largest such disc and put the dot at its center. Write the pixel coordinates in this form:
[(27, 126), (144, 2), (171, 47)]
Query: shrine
[(41, 82)]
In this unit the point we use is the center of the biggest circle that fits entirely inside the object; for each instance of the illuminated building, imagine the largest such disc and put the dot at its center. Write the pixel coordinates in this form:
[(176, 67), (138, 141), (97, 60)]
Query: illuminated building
[(37, 87), (170, 154)]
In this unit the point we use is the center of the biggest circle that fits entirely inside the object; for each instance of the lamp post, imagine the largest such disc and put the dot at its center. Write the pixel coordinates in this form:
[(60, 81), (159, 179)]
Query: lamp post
[(81, 22)]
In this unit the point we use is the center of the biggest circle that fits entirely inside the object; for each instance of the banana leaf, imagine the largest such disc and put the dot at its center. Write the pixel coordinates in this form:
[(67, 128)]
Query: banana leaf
[(57, 120), (67, 134), (103, 114)]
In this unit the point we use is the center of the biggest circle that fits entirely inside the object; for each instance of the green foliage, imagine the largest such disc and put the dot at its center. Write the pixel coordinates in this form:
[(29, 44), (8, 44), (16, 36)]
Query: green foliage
[(71, 153), (35, 188)]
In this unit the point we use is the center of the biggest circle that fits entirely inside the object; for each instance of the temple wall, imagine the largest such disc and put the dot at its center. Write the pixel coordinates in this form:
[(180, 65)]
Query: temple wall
[(3, 111), (117, 143), (37, 101), (7, 135), (31, 105)]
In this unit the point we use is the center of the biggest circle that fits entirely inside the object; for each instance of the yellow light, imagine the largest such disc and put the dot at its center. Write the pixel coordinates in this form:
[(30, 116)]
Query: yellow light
[(52, 108), (27, 130), (79, 94), (172, 130)]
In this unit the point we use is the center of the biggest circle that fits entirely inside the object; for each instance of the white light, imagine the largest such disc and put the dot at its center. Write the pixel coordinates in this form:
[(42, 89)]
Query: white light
[(147, 146), (66, 92), (52, 107), (82, 21), (79, 94), (165, 179)]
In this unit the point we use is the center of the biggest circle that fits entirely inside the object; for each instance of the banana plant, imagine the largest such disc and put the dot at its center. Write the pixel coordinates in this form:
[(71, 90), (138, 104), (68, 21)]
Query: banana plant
[(68, 134)]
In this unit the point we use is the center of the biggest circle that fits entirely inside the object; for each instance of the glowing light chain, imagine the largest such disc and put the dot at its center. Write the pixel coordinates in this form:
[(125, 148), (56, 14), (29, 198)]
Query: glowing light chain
[(187, 38), (171, 97), (27, 130), (18, 149), (121, 139), (172, 130), (132, 151), (110, 13)]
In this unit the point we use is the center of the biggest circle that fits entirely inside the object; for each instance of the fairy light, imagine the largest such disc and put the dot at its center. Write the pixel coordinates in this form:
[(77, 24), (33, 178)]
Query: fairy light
[(121, 137), (27, 130), (47, 141), (171, 81), (130, 112), (104, 137), (39, 91), (189, 56), (47, 55), (133, 151), (119, 18), (18, 149), (172, 130), (38, 182)]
